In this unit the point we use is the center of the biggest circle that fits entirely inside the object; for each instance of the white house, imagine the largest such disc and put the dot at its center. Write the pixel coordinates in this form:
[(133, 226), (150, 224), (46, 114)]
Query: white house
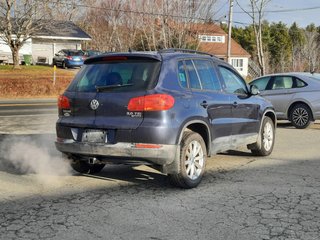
[(48, 41), (214, 40)]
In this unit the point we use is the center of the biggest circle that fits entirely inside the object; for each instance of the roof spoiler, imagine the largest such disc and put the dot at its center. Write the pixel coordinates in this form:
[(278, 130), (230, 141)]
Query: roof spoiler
[(118, 57), (172, 50)]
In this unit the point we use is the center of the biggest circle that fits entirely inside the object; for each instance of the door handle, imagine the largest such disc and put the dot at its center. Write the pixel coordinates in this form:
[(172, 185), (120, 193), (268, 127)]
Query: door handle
[(204, 104)]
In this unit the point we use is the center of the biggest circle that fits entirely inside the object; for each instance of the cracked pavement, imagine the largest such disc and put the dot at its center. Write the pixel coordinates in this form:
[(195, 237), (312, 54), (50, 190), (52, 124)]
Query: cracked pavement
[(241, 197)]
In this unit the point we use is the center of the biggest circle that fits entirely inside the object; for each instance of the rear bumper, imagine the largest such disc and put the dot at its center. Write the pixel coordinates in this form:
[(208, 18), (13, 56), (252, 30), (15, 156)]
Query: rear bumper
[(74, 63), (162, 156)]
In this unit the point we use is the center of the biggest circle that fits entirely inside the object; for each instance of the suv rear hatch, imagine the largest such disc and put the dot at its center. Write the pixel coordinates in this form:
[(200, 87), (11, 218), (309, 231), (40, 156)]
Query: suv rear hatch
[(75, 56), (104, 87)]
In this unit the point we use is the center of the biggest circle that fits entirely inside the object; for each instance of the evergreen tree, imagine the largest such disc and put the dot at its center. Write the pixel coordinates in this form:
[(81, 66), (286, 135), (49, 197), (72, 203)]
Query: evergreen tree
[(279, 46), (297, 40)]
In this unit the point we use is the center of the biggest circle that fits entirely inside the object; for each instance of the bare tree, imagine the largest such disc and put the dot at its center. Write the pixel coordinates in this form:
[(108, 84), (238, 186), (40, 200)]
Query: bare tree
[(171, 24), (311, 49), (146, 24), (256, 13), (68, 10), (111, 24), (20, 20)]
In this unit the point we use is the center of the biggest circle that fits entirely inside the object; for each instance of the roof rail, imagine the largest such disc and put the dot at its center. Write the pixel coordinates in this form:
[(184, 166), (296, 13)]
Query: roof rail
[(172, 50)]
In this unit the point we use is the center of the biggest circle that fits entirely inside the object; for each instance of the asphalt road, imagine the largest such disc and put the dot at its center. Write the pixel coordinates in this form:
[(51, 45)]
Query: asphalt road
[(241, 196), (27, 116), (20, 107)]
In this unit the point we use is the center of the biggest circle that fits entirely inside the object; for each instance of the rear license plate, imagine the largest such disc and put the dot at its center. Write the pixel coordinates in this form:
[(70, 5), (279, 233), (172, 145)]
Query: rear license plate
[(94, 136), (76, 59)]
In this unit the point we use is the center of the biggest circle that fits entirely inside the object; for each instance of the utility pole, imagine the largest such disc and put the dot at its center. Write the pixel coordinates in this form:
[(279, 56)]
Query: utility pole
[(229, 30)]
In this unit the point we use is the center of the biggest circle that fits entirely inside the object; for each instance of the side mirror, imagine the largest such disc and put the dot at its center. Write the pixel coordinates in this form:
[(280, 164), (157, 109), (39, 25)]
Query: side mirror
[(57, 54), (254, 90)]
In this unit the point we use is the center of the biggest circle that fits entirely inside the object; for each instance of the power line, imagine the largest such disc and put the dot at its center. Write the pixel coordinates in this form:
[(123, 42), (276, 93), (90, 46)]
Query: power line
[(136, 12), (225, 4), (284, 10), (146, 13), (153, 14), (242, 23)]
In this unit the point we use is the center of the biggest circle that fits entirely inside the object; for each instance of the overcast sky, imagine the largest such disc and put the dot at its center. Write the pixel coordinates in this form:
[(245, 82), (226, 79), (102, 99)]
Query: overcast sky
[(298, 12)]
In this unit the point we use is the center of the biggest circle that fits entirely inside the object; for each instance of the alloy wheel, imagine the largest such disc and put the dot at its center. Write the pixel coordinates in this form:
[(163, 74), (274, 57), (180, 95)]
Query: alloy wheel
[(194, 161), (300, 116), (267, 140)]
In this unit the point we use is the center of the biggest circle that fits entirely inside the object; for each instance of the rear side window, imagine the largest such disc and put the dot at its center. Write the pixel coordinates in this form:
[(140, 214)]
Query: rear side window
[(193, 76), (182, 75), (282, 82), (208, 77), (201, 75), (117, 76), (300, 83)]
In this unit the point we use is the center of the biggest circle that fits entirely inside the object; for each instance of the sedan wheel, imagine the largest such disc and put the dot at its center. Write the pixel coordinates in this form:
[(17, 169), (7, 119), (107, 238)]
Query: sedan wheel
[(300, 116), (64, 65)]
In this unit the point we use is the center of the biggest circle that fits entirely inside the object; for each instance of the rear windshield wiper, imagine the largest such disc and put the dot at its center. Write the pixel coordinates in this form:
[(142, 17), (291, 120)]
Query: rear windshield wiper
[(101, 88)]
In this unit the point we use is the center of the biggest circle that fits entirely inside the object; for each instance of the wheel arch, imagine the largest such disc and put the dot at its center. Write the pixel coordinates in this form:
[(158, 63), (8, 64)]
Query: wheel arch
[(271, 114), (201, 128), (300, 102), (267, 113)]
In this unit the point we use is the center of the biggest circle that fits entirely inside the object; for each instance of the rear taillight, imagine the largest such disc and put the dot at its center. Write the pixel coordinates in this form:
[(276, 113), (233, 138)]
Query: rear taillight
[(154, 102), (69, 57), (63, 102)]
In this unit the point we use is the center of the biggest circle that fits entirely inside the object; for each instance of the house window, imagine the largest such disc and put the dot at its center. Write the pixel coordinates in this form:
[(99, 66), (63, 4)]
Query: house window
[(207, 38), (237, 63)]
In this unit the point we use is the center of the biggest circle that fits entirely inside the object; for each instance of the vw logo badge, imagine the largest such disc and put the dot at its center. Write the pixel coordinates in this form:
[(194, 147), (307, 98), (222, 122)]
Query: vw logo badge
[(94, 104)]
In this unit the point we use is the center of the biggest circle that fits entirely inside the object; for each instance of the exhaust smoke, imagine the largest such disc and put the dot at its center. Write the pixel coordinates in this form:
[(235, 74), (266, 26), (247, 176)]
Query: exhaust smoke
[(38, 157)]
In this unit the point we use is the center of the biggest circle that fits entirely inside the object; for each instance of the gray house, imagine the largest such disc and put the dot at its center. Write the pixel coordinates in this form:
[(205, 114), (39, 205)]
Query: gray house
[(48, 41)]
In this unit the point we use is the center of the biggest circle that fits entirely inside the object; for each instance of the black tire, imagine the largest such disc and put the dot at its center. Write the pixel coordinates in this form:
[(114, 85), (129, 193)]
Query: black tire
[(64, 66), (54, 63), (84, 167), (300, 116), (191, 174), (266, 139)]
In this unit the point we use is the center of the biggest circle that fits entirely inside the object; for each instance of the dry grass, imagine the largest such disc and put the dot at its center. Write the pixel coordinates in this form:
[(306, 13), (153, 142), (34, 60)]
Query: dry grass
[(33, 81)]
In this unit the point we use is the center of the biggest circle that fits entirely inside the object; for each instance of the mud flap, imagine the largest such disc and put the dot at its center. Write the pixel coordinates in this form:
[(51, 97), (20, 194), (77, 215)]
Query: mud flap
[(174, 167)]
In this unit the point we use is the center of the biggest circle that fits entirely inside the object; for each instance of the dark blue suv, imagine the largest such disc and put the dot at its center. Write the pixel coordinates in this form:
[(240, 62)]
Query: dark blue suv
[(169, 109)]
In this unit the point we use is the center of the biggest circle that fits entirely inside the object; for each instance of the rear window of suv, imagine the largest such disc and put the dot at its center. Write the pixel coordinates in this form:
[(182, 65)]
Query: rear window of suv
[(117, 76)]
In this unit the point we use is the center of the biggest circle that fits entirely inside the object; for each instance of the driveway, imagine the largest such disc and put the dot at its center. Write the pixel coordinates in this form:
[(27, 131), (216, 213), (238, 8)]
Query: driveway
[(241, 196)]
